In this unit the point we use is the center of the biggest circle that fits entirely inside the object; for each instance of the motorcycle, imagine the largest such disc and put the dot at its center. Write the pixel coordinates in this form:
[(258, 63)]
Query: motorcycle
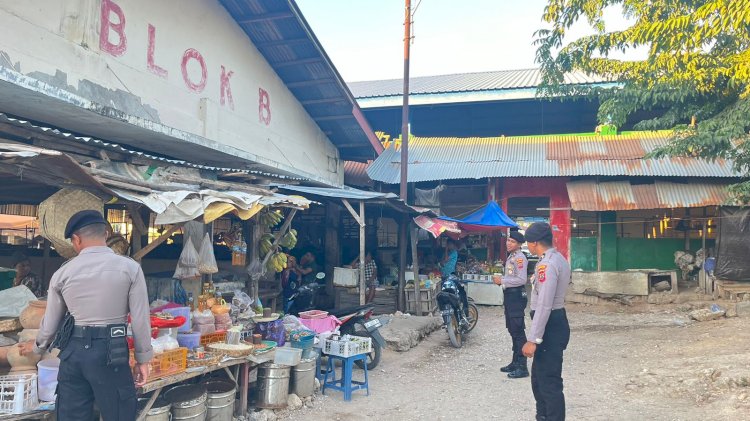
[(460, 314), (357, 321)]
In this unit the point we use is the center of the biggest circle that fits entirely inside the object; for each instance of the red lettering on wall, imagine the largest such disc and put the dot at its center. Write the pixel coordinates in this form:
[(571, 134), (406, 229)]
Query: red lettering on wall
[(264, 107), (109, 7), (153, 67), (226, 89), (192, 53)]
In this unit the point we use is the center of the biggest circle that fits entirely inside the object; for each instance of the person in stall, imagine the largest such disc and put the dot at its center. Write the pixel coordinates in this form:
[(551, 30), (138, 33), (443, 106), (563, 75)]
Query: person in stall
[(24, 276), (371, 275), (289, 281), (450, 260), (308, 267)]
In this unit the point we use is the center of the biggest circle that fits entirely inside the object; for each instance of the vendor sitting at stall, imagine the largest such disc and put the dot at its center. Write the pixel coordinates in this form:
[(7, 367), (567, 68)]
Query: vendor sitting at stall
[(308, 267), (24, 276), (450, 259)]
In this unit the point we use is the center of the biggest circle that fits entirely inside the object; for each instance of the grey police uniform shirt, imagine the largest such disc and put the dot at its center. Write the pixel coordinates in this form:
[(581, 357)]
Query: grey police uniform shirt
[(515, 270), (550, 283), (99, 288)]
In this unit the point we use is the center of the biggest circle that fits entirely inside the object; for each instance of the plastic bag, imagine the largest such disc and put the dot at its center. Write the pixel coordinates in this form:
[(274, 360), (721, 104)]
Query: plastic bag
[(187, 266), (205, 317), (206, 259), (204, 329), (292, 323)]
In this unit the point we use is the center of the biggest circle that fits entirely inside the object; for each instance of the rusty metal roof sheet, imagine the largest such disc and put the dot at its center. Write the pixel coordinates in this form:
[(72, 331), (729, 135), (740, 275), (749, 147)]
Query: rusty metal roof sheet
[(432, 159), (464, 82), (355, 173), (622, 195)]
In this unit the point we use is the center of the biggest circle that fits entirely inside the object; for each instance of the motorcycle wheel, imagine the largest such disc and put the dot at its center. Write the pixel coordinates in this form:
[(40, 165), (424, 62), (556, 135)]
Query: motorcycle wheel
[(473, 317), (454, 332), (373, 358)]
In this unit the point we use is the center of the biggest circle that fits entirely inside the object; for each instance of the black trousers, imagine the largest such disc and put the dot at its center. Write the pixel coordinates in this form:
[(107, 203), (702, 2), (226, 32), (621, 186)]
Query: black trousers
[(514, 306), (85, 378), (546, 370)]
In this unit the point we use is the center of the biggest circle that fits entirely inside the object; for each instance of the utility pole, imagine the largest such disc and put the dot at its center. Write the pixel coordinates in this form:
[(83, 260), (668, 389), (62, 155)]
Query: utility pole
[(404, 191)]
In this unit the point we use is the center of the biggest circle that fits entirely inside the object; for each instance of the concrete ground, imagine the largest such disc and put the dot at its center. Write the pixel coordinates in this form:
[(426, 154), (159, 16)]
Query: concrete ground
[(623, 363)]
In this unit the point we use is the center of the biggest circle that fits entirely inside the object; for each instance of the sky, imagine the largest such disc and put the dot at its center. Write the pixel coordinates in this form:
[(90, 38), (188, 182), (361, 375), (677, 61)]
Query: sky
[(364, 38)]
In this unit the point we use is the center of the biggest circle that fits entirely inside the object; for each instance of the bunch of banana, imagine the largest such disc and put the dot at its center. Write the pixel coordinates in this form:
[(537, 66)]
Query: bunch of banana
[(277, 262), (271, 218), (289, 240), (266, 244)]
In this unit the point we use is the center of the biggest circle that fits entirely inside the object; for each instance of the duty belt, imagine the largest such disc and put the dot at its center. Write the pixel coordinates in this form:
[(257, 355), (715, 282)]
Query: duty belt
[(515, 289), (100, 332)]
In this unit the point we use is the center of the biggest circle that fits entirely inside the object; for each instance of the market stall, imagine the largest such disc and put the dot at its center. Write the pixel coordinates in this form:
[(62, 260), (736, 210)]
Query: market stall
[(472, 234)]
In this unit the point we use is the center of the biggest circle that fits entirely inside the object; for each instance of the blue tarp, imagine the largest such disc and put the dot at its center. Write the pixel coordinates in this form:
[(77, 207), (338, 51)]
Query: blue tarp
[(488, 218)]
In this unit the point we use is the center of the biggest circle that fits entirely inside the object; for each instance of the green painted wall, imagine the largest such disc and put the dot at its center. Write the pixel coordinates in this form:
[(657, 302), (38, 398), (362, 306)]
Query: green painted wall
[(583, 253), (643, 253), (609, 240)]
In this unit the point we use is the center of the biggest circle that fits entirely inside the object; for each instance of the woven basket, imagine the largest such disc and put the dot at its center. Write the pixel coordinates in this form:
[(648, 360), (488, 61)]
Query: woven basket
[(211, 359), (221, 348), (55, 212)]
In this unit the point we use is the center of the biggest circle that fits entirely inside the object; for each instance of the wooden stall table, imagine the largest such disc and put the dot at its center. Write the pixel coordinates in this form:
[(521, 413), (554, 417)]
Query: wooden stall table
[(32, 415), (241, 368)]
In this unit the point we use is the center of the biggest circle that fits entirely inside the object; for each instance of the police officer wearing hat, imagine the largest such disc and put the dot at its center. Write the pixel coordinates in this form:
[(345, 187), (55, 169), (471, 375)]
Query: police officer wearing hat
[(514, 303), (98, 288), (550, 331)]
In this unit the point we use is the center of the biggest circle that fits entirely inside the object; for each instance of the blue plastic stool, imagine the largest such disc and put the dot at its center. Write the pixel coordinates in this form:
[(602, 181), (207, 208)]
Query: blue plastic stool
[(345, 382)]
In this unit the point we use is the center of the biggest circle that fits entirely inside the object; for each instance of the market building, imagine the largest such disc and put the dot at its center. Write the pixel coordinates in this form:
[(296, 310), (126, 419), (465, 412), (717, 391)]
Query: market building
[(486, 136), (188, 131)]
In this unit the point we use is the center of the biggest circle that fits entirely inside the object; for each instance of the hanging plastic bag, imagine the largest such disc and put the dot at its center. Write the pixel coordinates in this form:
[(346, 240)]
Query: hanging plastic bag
[(206, 259), (187, 265), (183, 272)]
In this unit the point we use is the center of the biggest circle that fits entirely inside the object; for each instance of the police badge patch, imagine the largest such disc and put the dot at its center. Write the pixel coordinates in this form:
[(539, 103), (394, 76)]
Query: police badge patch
[(519, 263), (541, 272)]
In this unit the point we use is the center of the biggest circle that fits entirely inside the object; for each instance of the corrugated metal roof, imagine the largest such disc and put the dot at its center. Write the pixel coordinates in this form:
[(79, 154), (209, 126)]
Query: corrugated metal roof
[(118, 148), (621, 195), (464, 82), (355, 173), (280, 32), (432, 159)]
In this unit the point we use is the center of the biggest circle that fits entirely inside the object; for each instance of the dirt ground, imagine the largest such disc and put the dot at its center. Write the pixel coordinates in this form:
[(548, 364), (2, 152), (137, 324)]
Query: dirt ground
[(623, 363)]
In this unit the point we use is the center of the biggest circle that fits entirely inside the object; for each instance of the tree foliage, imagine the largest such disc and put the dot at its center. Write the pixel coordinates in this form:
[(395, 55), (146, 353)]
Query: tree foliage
[(698, 65)]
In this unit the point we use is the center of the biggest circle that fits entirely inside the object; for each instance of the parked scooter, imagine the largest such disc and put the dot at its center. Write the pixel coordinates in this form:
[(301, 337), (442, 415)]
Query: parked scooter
[(460, 314), (356, 321)]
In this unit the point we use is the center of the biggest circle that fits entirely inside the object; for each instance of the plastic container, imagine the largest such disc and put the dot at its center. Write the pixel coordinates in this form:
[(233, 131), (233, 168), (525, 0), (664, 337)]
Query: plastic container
[(184, 312), (313, 314), (48, 378), (287, 356), (305, 344), (347, 346), (165, 364), (18, 393), (189, 340)]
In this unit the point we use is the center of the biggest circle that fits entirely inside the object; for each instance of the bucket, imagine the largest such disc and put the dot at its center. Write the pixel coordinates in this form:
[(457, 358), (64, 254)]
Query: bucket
[(273, 386), (188, 402), (159, 410), (184, 312), (48, 378), (220, 400), (303, 377)]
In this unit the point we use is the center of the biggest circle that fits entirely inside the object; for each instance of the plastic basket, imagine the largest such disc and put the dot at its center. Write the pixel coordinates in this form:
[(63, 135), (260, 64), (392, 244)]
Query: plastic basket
[(165, 364), (347, 346), (18, 393), (213, 338), (313, 314)]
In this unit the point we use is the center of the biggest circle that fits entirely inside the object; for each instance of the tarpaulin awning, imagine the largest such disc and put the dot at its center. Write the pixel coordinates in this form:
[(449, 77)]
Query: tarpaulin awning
[(488, 218), (342, 193)]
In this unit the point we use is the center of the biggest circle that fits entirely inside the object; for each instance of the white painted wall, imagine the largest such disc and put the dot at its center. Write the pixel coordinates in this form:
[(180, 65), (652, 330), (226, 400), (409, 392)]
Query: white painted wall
[(42, 38)]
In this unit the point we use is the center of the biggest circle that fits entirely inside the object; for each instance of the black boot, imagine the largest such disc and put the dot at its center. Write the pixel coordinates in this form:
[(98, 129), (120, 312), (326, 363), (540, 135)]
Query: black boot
[(509, 368), (519, 372)]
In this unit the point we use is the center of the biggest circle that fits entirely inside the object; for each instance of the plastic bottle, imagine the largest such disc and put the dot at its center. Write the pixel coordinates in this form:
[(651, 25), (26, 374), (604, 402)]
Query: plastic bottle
[(191, 302)]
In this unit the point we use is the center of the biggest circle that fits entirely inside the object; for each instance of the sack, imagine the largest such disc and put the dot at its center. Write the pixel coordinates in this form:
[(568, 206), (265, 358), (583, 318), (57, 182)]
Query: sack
[(206, 259), (187, 266)]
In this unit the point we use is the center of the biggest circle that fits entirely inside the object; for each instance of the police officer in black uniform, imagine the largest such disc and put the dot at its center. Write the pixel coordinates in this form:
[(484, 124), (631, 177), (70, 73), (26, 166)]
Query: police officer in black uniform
[(98, 289), (514, 303), (550, 331)]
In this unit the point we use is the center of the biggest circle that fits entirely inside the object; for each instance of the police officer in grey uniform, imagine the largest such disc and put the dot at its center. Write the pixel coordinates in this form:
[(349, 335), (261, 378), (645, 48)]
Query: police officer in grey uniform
[(550, 331), (514, 303), (99, 289)]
